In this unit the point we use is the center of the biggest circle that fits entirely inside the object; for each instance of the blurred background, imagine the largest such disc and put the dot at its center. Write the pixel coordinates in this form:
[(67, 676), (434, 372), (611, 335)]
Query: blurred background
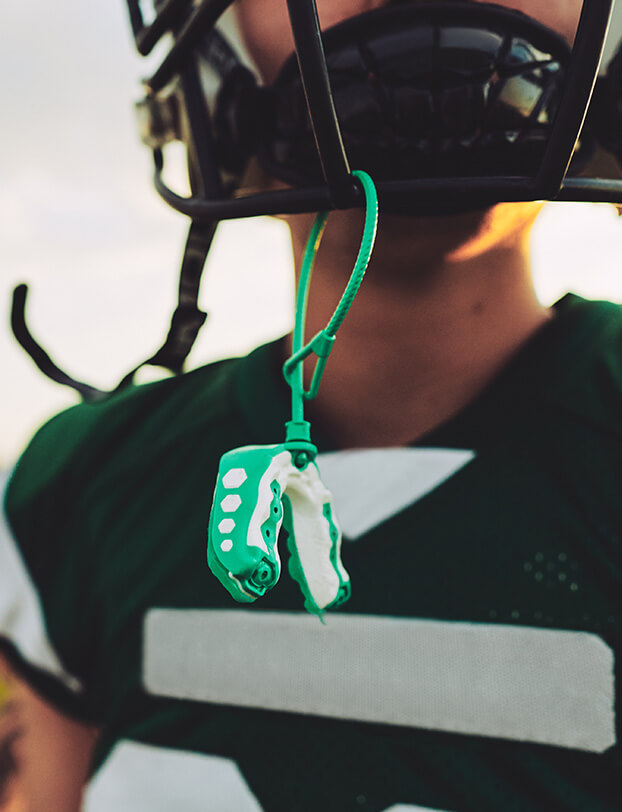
[(82, 225)]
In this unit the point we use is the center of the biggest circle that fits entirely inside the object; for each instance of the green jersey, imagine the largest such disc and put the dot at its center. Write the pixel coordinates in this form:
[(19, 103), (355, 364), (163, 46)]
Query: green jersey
[(476, 665)]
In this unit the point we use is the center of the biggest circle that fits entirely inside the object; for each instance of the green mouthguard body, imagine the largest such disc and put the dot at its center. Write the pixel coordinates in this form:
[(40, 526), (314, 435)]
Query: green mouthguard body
[(258, 490)]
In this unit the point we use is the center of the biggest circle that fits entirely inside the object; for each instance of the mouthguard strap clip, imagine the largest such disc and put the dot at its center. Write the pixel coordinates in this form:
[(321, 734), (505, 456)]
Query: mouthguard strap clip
[(322, 343)]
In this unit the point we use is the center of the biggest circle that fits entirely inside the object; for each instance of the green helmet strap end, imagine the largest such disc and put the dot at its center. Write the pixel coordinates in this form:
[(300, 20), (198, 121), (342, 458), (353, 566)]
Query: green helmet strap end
[(261, 488)]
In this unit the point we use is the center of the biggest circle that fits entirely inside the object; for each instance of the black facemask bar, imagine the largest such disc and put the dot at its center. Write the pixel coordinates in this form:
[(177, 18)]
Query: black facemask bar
[(340, 191), (426, 89)]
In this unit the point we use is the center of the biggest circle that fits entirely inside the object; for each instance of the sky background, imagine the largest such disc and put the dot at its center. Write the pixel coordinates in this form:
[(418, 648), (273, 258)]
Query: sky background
[(80, 222)]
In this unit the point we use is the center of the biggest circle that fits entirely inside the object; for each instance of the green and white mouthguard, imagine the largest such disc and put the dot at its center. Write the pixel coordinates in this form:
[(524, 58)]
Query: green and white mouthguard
[(261, 489)]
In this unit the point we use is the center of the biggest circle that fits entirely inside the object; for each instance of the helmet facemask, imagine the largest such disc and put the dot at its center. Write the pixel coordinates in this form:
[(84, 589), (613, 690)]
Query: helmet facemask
[(440, 101)]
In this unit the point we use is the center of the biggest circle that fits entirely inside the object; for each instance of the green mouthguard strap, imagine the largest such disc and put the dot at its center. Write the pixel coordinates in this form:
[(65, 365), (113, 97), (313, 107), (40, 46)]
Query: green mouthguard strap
[(322, 343)]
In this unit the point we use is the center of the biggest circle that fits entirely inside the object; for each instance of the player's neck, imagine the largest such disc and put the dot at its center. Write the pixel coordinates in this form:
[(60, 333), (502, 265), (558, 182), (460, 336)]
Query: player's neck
[(417, 347)]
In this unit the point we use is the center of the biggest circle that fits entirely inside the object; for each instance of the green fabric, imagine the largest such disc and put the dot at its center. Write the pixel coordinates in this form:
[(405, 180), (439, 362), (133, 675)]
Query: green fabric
[(110, 505)]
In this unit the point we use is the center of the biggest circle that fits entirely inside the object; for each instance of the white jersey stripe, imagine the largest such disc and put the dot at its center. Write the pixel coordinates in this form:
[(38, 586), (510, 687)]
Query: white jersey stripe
[(143, 778), (370, 485), (526, 684), (411, 808), (21, 614), (139, 777)]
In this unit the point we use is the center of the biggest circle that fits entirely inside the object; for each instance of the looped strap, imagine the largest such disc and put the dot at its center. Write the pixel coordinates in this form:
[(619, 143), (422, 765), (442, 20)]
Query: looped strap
[(322, 343)]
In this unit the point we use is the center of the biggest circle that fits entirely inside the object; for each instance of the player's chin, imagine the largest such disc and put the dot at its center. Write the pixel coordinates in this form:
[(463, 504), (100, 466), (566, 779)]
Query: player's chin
[(502, 226), (449, 231), (455, 237)]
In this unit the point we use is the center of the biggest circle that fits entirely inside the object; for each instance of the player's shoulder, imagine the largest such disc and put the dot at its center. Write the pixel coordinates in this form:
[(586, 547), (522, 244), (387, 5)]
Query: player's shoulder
[(592, 351), (607, 314), (600, 317), (135, 421)]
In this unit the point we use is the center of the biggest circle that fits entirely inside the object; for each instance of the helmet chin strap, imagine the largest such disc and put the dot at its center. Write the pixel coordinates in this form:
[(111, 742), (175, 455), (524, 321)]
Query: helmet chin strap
[(187, 318), (41, 358), (261, 489), (186, 321)]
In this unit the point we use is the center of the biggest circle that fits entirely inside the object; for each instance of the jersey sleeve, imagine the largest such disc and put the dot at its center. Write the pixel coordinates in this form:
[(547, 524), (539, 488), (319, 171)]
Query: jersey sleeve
[(44, 612)]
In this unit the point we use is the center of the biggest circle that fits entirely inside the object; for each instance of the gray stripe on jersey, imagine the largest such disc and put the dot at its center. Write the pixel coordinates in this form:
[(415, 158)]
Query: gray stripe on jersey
[(511, 682), (21, 614), (372, 484), (411, 808), (143, 778)]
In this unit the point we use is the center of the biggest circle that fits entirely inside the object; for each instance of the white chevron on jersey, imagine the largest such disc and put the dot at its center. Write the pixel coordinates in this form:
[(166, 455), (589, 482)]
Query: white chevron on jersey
[(139, 777), (21, 614), (370, 485)]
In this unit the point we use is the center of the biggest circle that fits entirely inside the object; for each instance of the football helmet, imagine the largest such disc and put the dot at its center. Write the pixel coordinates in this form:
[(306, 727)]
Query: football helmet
[(449, 105)]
